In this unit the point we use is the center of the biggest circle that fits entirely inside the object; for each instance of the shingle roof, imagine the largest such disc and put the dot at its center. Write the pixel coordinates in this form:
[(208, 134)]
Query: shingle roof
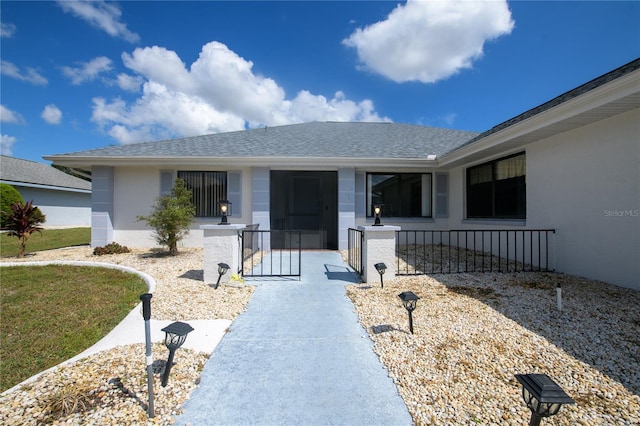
[(306, 140), (16, 170)]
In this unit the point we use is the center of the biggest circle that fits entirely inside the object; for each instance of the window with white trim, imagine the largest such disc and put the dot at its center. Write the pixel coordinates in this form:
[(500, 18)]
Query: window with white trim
[(402, 194), (497, 189), (208, 188)]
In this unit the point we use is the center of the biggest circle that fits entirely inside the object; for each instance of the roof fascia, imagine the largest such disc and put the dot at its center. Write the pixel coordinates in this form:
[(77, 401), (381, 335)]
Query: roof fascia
[(49, 187), (289, 162), (609, 92)]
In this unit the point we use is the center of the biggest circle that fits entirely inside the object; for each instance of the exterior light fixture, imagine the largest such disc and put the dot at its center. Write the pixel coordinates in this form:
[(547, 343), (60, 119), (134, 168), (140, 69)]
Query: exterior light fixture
[(225, 210), (542, 395), (381, 267), (377, 212), (409, 300), (222, 269), (175, 335)]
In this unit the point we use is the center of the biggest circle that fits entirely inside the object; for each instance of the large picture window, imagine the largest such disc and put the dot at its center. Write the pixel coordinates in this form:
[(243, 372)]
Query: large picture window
[(208, 188), (402, 194), (498, 189)]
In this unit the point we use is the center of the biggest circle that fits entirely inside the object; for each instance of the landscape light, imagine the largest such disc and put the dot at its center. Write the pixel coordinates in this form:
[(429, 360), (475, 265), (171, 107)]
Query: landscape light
[(176, 334), (409, 300), (222, 269), (381, 267), (542, 395)]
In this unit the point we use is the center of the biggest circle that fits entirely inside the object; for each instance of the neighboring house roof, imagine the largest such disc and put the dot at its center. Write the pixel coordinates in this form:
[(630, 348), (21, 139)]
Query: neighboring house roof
[(18, 172)]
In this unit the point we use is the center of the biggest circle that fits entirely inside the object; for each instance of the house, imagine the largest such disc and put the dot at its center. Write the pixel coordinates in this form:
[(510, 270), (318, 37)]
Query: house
[(571, 164), (65, 200)]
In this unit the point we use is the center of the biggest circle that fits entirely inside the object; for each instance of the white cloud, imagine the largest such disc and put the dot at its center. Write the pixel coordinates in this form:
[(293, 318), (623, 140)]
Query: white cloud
[(88, 70), (129, 83), (30, 75), (8, 116), (427, 41), (219, 92), (105, 16), (6, 144), (7, 30), (51, 114)]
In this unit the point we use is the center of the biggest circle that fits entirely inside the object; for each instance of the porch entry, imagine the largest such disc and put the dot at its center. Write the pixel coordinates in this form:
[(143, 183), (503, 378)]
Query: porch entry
[(306, 202)]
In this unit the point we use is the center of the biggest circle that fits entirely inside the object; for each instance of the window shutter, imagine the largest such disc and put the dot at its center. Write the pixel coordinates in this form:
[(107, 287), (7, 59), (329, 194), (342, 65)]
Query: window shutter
[(361, 203), (166, 182), (234, 192), (442, 195)]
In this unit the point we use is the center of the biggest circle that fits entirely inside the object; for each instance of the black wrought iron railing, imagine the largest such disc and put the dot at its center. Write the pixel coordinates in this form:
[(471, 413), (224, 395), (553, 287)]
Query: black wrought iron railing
[(469, 250), (278, 253), (354, 257)]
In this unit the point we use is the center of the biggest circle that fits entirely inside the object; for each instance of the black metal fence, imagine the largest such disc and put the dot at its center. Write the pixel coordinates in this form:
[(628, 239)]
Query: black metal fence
[(273, 253), (355, 238), (454, 251)]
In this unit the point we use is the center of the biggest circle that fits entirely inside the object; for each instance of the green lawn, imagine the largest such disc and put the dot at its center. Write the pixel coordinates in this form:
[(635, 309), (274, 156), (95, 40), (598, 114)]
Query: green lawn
[(47, 240), (52, 313)]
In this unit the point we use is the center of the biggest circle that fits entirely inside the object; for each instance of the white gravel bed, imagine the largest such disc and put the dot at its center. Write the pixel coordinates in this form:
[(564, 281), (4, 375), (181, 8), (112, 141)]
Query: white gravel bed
[(473, 332)]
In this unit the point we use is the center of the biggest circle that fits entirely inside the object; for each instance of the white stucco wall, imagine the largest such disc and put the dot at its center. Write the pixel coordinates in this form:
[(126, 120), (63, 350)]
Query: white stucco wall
[(136, 190), (576, 182), (585, 183)]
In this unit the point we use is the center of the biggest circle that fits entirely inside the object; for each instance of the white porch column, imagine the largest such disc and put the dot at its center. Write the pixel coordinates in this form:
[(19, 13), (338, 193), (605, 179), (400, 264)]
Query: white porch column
[(221, 245), (379, 245)]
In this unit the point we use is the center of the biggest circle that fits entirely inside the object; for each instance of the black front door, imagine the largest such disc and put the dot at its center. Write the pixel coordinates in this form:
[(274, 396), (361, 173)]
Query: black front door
[(305, 202)]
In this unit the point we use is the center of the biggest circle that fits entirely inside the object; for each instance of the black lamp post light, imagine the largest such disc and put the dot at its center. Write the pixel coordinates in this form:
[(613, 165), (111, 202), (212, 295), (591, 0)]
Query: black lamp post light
[(222, 269), (543, 396), (409, 300), (176, 334), (225, 210), (377, 212), (381, 267)]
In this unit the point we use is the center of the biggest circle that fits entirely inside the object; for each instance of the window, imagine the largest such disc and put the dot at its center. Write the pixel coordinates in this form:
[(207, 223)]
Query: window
[(403, 194), (498, 189), (208, 188)]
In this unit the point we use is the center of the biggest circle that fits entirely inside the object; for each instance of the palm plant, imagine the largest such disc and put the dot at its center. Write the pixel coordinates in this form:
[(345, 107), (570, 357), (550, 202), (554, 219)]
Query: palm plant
[(23, 220)]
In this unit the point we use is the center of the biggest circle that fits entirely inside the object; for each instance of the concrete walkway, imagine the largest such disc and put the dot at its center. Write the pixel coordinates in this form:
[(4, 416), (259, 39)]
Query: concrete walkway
[(297, 356)]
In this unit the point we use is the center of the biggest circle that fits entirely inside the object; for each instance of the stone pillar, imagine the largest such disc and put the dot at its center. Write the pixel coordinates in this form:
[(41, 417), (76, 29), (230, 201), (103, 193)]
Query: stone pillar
[(221, 245), (379, 245)]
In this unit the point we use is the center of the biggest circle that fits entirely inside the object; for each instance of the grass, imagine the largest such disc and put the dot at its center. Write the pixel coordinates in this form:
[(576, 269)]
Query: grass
[(52, 313), (47, 240)]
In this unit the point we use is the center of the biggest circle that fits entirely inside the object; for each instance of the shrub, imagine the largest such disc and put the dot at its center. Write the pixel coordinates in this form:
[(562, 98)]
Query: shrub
[(172, 214), (8, 197), (23, 221), (111, 248)]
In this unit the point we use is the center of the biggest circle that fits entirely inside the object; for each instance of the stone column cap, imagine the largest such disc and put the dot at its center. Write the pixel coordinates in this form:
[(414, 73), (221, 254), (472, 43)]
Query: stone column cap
[(371, 228), (223, 227)]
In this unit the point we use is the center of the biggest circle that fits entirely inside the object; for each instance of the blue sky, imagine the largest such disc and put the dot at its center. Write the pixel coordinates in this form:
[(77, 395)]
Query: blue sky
[(81, 75)]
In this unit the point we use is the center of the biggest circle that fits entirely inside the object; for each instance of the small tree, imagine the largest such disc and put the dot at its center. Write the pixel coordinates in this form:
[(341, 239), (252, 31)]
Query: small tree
[(8, 197), (172, 214), (24, 220)]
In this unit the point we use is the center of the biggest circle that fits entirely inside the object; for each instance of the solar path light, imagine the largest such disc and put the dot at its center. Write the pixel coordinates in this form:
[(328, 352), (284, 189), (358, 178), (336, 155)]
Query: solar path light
[(225, 210), (222, 269), (409, 300), (176, 334), (542, 395), (377, 212), (146, 314), (381, 267)]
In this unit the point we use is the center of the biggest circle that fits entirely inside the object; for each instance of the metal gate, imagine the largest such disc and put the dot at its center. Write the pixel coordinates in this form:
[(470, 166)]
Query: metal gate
[(260, 259)]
